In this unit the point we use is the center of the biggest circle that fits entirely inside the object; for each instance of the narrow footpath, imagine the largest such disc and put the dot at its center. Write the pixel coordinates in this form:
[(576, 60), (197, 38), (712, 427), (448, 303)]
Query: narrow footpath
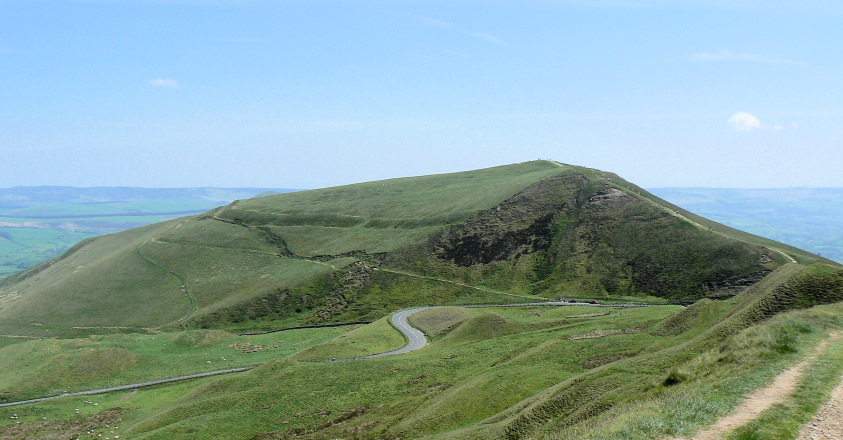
[(762, 399), (828, 422)]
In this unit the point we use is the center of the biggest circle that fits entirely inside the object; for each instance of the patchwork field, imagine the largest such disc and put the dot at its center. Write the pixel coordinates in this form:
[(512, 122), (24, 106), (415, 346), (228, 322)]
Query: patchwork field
[(39, 223)]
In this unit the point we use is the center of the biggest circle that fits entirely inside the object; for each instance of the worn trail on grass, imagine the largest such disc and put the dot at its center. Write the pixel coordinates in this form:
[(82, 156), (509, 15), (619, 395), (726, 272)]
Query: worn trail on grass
[(190, 298), (760, 400), (828, 422)]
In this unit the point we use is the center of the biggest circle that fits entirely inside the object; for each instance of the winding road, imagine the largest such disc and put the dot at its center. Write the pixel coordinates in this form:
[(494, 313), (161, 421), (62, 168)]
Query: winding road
[(415, 340)]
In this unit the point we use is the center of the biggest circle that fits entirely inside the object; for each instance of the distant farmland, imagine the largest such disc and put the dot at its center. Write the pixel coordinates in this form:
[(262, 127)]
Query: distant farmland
[(39, 223), (808, 218)]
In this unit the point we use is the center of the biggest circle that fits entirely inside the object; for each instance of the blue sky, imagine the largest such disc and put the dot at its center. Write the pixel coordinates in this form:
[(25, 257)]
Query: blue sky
[(307, 94)]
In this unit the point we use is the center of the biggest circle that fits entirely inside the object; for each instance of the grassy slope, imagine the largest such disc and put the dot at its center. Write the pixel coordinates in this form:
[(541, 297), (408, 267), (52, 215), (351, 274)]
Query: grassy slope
[(377, 337), (223, 264), (572, 402), (566, 372), (43, 222), (808, 218), (799, 255), (446, 380), (283, 259), (90, 286), (384, 215), (590, 237), (43, 366)]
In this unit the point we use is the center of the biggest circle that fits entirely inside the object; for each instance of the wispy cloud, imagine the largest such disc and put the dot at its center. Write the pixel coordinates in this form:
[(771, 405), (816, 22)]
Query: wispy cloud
[(242, 40), (727, 55), (433, 22), (164, 82)]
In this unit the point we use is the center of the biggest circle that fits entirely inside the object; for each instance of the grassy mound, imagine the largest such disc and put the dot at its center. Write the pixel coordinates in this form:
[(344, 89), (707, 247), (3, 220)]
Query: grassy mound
[(357, 252), (440, 321), (484, 325), (595, 392), (374, 338)]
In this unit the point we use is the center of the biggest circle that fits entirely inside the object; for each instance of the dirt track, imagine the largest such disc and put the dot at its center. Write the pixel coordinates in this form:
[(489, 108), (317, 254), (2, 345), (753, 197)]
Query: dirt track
[(828, 422), (762, 399)]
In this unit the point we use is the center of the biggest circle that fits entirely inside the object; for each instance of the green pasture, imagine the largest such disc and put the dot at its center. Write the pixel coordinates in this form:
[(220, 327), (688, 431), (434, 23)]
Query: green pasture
[(21, 248), (452, 373), (374, 338), (538, 372), (52, 366)]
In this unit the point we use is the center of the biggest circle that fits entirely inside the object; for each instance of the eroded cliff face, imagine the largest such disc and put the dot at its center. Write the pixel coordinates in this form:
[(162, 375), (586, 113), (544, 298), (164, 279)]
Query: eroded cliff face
[(573, 235), (519, 226)]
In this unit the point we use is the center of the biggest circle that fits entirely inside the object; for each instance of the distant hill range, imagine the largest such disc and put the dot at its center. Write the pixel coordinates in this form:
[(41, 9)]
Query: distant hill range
[(38, 223), (526, 231), (808, 218), (12, 200)]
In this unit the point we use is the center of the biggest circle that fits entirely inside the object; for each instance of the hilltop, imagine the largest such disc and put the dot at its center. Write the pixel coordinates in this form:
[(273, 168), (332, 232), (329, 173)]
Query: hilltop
[(168, 299), (518, 232)]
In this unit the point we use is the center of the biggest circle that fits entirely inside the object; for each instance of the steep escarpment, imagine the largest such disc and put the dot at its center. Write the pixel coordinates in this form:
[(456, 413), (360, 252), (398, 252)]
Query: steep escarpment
[(577, 235)]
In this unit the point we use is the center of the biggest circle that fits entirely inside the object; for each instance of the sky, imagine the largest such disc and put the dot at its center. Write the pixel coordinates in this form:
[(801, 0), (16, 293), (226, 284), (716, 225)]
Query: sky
[(310, 94)]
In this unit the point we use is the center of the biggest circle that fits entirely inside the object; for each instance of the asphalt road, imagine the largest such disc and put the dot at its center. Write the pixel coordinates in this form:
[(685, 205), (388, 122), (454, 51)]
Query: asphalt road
[(415, 338)]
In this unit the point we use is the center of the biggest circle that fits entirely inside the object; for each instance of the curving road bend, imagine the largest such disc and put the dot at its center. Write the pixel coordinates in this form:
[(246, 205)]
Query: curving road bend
[(415, 338)]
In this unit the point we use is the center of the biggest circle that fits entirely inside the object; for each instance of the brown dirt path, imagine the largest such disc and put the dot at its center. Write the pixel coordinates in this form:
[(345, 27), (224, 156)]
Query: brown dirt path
[(828, 423), (764, 398)]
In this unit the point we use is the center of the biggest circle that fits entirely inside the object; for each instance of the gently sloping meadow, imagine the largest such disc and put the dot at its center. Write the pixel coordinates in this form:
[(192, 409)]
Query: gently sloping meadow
[(514, 373)]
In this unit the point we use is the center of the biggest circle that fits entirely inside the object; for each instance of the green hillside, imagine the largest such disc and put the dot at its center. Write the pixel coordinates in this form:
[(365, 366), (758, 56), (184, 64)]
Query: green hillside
[(39, 223), (496, 373), (169, 299), (519, 232)]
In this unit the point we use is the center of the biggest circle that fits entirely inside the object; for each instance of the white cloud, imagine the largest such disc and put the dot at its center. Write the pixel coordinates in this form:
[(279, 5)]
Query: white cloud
[(744, 122), (452, 27), (164, 82), (727, 55)]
